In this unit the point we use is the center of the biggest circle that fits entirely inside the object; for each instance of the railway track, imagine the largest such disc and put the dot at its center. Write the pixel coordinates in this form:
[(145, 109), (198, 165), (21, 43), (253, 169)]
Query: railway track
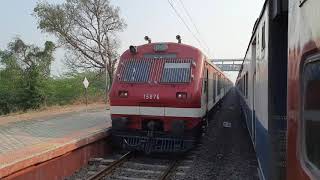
[(113, 165), (131, 166)]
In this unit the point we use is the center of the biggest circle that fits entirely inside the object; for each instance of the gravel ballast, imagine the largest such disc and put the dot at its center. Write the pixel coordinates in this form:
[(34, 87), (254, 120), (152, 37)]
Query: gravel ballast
[(225, 152)]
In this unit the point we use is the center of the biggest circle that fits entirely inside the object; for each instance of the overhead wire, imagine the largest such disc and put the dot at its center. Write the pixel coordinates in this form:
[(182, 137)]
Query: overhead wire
[(186, 25), (194, 25)]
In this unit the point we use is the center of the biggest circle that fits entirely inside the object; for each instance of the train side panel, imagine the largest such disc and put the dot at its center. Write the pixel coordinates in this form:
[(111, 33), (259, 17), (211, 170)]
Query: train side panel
[(255, 95), (303, 90), (217, 84), (262, 83)]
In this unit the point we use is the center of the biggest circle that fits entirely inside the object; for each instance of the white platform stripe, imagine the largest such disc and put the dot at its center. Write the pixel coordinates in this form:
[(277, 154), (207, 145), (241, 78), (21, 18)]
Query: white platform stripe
[(159, 111)]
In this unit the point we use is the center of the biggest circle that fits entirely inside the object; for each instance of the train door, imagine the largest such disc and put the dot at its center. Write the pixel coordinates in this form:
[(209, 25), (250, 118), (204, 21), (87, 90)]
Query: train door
[(253, 70), (253, 108), (214, 79), (206, 88), (204, 96)]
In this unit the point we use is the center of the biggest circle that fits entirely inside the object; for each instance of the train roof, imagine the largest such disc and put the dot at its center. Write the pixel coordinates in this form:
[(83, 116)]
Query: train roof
[(255, 27), (148, 45), (168, 43)]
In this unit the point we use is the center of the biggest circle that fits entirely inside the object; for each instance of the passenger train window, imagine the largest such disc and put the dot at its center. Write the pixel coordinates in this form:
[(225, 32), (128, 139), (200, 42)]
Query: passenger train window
[(214, 86), (311, 113), (246, 85), (219, 84), (205, 86), (263, 43)]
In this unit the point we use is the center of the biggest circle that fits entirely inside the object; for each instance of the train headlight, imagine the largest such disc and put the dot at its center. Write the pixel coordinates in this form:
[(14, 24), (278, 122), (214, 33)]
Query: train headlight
[(123, 94), (181, 95), (147, 39), (133, 49), (178, 37)]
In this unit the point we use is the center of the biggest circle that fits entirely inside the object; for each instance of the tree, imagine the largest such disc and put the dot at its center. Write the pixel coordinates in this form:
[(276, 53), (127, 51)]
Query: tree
[(87, 29), (28, 57), (24, 68)]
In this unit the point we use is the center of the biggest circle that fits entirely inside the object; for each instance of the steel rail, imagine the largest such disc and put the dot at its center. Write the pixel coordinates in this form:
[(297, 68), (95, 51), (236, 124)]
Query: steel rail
[(104, 172), (172, 167)]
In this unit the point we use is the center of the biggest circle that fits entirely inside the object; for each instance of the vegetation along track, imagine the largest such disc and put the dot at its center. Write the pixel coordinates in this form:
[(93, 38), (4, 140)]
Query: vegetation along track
[(133, 166)]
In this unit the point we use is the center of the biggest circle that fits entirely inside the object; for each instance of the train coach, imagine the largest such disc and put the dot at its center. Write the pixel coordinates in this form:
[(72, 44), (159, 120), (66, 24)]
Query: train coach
[(279, 85), (161, 95)]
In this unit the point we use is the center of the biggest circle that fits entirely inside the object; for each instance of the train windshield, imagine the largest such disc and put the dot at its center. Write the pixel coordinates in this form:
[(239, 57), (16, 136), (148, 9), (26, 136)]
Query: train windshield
[(162, 71), (176, 73), (136, 71), (311, 114)]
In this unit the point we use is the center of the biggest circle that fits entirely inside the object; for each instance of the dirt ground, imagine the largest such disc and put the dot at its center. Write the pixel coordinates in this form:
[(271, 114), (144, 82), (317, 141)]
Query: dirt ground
[(50, 111)]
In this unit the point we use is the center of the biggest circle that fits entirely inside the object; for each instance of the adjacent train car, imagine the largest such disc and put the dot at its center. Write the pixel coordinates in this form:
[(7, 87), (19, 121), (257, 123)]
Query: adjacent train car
[(161, 95), (304, 90), (262, 85), (279, 83)]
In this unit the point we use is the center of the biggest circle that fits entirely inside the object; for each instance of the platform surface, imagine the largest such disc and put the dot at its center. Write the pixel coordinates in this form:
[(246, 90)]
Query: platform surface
[(24, 143)]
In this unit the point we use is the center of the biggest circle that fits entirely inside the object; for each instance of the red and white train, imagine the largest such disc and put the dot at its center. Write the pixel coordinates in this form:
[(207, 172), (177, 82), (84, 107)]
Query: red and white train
[(280, 88), (161, 95)]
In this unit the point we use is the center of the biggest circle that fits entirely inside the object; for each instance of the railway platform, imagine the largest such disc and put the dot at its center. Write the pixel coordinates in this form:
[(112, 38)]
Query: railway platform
[(40, 148)]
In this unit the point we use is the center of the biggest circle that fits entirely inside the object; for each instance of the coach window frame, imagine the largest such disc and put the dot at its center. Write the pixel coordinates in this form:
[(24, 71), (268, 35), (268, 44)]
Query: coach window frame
[(263, 38), (218, 84), (246, 85), (242, 84), (313, 168), (205, 81)]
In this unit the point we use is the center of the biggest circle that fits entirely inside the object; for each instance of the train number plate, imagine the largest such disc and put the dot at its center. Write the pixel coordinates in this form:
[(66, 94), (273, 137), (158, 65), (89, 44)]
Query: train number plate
[(151, 96)]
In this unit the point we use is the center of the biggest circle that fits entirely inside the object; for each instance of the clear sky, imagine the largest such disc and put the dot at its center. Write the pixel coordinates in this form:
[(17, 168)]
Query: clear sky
[(224, 25)]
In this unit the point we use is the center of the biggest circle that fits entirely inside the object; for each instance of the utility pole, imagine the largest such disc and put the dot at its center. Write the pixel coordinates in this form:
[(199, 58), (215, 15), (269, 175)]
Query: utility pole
[(86, 84), (107, 84)]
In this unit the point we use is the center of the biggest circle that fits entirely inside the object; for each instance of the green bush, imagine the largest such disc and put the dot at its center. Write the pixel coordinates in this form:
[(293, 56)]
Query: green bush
[(68, 90), (20, 95), (25, 81)]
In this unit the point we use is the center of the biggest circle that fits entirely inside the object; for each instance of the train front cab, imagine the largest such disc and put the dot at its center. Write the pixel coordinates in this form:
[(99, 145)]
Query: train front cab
[(177, 117), (162, 109)]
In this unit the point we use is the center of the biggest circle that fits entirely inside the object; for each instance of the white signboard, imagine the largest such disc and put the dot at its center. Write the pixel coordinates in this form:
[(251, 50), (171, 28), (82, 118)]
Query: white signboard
[(85, 82)]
